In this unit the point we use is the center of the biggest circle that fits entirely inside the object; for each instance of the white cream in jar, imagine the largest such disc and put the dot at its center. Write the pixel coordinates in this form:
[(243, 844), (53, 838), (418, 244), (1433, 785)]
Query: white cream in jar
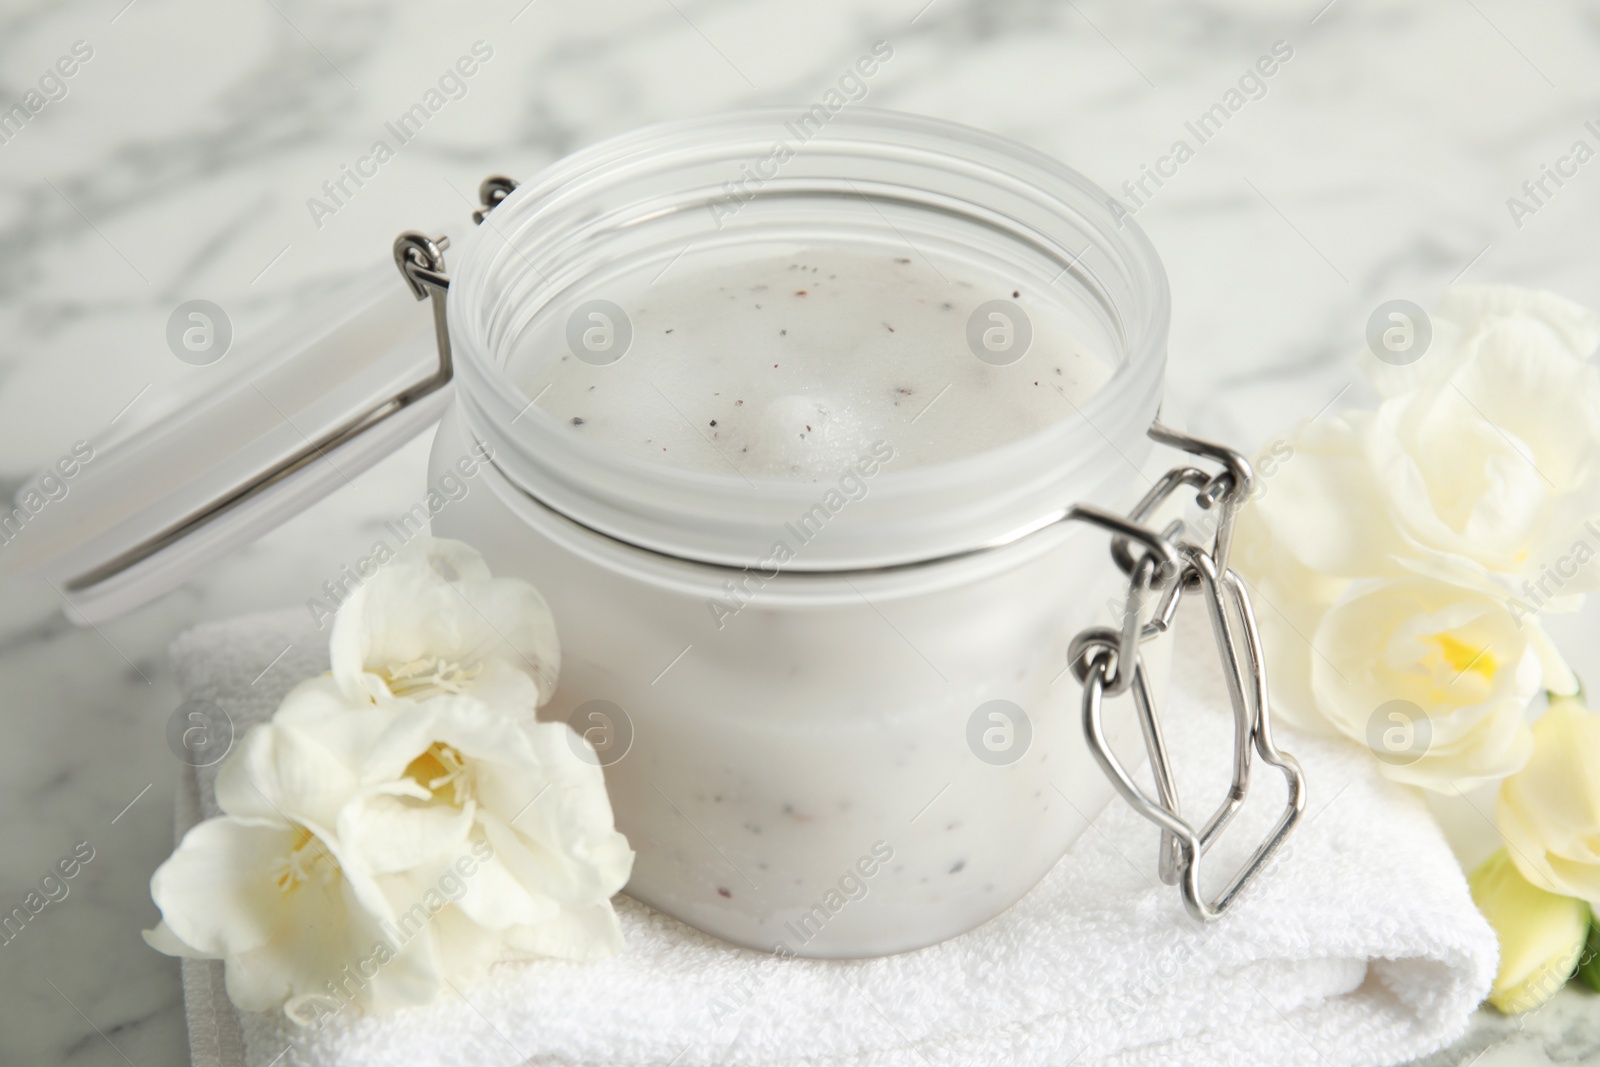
[(795, 365), (825, 655)]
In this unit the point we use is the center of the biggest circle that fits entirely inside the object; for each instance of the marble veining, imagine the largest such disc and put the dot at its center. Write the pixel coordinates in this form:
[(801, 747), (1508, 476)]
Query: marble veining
[(179, 162)]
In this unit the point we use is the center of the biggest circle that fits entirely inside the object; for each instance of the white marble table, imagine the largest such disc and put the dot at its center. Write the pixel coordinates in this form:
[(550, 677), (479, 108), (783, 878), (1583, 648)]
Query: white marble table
[(180, 159)]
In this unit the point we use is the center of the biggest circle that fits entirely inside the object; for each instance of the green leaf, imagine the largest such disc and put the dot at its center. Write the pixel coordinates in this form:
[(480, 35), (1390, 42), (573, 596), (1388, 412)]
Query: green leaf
[(1589, 962)]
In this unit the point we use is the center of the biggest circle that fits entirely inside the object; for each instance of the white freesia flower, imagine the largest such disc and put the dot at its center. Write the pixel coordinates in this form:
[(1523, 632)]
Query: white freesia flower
[(1488, 447), (268, 887), (450, 776), (1446, 646), (372, 852), (435, 621), (1404, 554), (1549, 812)]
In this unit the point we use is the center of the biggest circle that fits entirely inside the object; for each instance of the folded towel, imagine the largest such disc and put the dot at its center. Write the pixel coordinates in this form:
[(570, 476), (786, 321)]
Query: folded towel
[(1360, 946)]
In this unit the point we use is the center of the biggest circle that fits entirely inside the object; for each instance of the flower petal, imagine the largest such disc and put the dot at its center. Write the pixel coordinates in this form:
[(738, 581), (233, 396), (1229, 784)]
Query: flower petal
[(495, 900), (1549, 813), (436, 602), (585, 934), (162, 939), (387, 833), (216, 892), (1325, 507), (280, 776)]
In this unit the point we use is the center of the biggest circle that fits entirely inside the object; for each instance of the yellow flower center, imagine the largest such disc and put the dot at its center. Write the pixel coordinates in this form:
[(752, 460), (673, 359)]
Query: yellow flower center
[(1463, 657), (442, 766), (430, 676), (306, 861)]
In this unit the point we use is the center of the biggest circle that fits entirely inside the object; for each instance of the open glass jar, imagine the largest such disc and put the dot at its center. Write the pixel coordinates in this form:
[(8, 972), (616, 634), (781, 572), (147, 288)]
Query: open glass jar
[(828, 724), (787, 417)]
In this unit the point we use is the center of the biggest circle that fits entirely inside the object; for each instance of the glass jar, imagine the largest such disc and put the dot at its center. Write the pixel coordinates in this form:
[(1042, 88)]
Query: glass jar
[(817, 641), (865, 742)]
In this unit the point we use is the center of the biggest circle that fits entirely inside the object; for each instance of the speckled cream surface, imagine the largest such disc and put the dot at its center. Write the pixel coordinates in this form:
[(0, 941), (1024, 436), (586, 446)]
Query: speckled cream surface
[(792, 366)]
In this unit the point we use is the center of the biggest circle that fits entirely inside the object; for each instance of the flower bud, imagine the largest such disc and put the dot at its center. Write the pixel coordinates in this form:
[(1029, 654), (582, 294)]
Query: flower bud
[(1541, 934)]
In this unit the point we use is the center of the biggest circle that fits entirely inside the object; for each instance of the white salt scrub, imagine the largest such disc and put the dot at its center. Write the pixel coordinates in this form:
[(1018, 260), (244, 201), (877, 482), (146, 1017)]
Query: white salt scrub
[(793, 366)]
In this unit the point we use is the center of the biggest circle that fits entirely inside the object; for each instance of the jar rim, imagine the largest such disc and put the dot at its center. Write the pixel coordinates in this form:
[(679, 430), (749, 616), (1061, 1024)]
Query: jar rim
[(922, 511)]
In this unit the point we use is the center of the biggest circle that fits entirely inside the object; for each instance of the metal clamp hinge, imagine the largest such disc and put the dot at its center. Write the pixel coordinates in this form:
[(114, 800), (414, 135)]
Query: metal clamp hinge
[(420, 260), (1107, 662)]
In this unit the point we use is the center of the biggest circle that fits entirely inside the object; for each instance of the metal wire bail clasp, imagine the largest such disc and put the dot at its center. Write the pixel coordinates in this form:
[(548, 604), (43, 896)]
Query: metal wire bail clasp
[(1107, 662), (420, 260)]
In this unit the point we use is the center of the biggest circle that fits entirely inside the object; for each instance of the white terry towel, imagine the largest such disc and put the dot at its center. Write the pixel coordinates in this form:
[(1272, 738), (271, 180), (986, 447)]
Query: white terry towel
[(1361, 947)]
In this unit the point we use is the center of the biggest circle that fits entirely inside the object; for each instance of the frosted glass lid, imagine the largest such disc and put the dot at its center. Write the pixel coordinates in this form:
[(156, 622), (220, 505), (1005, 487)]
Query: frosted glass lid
[(284, 419)]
